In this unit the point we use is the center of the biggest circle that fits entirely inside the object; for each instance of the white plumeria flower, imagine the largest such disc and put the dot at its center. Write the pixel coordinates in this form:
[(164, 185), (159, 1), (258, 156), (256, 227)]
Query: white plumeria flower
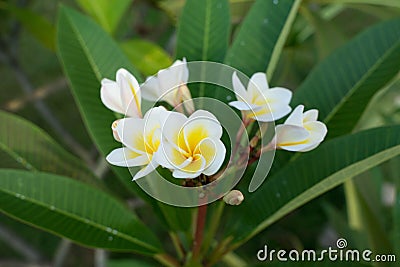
[(301, 131), (191, 146), (141, 138), (169, 85), (259, 102), (123, 95)]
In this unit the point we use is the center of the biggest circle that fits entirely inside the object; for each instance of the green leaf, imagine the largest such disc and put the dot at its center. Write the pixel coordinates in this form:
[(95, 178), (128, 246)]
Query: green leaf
[(203, 35), (262, 35), (107, 13), (71, 209), (37, 25), (89, 54), (390, 3), (146, 56), (203, 30), (29, 147), (302, 180), (341, 86)]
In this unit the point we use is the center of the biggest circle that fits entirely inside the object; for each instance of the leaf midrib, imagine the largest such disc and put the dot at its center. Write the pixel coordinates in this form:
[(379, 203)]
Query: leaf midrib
[(207, 23), (77, 218), (280, 42), (375, 159), (85, 49), (357, 85), (15, 156)]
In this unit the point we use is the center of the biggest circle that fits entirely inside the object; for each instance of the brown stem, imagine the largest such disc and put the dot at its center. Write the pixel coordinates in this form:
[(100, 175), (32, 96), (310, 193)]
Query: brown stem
[(198, 236)]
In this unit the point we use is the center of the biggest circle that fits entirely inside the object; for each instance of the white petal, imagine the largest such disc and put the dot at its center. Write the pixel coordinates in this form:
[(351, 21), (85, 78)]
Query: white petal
[(183, 73), (154, 118), (161, 157), (206, 121), (279, 111), (130, 93), (150, 89), (172, 125), (278, 95), (309, 148), (296, 118), (111, 96), (291, 137), (124, 157), (218, 158), (257, 84), (269, 116), (310, 115), (170, 157), (145, 171), (240, 91), (317, 131), (168, 82), (131, 133), (243, 106), (184, 175), (191, 170)]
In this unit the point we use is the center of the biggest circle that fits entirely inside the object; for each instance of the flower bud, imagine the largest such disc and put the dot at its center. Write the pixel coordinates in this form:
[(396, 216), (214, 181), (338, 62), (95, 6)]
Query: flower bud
[(114, 129), (234, 197)]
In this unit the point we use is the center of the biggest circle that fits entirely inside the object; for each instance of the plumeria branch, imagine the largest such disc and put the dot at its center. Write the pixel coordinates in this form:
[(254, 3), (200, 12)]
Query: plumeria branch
[(191, 147)]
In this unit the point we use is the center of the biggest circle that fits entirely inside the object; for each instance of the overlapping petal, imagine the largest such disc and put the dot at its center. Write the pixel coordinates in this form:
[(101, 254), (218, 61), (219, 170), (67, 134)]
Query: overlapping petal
[(301, 131), (123, 95), (168, 85), (141, 138), (191, 146), (259, 102)]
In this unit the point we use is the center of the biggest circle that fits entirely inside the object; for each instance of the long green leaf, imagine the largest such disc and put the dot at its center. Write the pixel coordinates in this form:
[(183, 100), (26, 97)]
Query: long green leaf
[(73, 210), (390, 3), (262, 35), (32, 149), (203, 30), (107, 13), (89, 54), (303, 179), (341, 86)]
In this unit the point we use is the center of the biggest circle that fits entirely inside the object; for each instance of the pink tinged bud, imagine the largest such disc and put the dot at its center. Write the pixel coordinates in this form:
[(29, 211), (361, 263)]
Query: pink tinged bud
[(234, 197), (114, 130)]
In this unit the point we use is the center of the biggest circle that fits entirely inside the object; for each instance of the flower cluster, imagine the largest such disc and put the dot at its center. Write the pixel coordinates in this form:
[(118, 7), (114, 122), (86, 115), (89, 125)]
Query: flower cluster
[(191, 145), (188, 146), (301, 130)]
